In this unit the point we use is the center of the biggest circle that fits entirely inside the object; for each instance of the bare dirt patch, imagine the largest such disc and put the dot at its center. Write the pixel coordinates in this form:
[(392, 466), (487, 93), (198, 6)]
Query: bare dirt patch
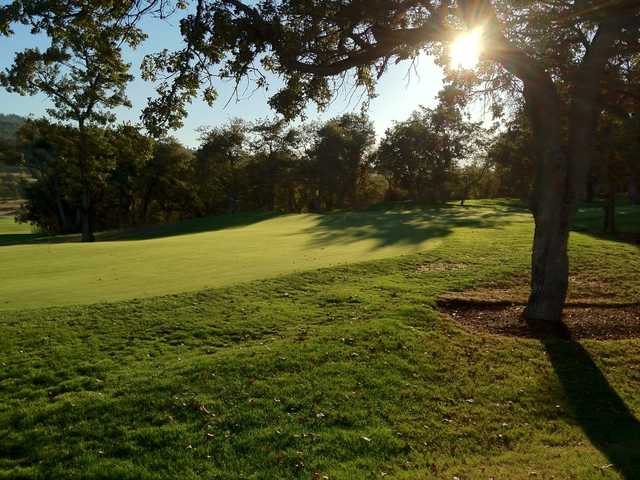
[(431, 267), (604, 321)]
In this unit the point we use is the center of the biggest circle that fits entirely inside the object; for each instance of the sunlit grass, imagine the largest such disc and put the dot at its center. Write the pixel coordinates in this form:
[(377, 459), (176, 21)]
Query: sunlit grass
[(212, 253)]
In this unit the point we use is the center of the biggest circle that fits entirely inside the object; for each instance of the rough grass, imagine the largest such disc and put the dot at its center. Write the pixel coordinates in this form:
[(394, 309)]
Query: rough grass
[(342, 373)]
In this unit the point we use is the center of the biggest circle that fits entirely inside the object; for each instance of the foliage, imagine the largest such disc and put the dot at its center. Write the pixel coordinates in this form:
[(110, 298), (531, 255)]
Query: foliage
[(512, 157), (9, 126), (550, 56), (134, 180), (221, 162), (277, 174), (419, 155), (82, 71), (340, 159), (50, 154), (166, 183)]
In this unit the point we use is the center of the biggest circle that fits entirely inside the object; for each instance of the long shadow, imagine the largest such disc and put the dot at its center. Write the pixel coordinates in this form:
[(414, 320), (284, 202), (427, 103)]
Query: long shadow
[(397, 226), (590, 219), (389, 224), (7, 239), (186, 227), (601, 413)]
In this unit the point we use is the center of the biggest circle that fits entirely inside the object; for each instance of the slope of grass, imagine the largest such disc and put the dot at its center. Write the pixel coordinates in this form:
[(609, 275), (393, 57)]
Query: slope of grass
[(222, 251), (342, 373)]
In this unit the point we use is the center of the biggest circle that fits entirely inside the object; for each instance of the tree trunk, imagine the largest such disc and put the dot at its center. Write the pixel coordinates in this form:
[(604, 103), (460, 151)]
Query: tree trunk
[(549, 261), (561, 176), (591, 188), (85, 203), (85, 214), (464, 196), (610, 206), (550, 205), (59, 205), (633, 190)]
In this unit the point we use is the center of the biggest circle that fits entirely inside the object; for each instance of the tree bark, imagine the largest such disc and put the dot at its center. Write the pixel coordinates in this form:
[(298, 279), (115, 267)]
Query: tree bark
[(549, 259), (549, 204), (591, 188), (85, 214), (561, 176), (610, 204), (85, 201), (633, 190), (58, 199)]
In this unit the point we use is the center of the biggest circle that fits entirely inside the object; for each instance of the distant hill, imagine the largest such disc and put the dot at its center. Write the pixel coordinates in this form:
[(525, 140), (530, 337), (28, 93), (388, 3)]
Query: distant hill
[(9, 125)]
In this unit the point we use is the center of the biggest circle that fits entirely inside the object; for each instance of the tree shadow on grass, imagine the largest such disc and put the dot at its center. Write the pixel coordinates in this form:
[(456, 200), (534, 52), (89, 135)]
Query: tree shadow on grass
[(189, 227), (186, 227), (589, 220), (7, 239), (410, 226), (601, 413)]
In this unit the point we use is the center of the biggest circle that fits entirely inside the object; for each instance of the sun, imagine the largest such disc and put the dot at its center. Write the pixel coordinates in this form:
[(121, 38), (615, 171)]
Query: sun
[(465, 51)]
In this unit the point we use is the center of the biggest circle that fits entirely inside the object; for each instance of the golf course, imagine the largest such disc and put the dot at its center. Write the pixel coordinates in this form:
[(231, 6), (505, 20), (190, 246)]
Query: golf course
[(311, 346), (216, 252), (319, 240)]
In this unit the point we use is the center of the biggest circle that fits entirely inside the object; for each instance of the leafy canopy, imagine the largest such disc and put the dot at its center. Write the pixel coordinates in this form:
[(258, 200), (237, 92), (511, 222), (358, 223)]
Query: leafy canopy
[(82, 70), (311, 44)]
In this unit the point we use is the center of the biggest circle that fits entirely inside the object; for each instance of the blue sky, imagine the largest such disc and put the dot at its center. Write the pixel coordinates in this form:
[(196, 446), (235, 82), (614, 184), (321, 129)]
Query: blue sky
[(397, 97)]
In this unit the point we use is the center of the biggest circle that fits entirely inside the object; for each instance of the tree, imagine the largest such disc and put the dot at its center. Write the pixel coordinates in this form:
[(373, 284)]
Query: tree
[(46, 149), (339, 158), (512, 156), (221, 164), (139, 180), (472, 179), (133, 151), (419, 155), (619, 140), (165, 184), (82, 71), (553, 54), (49, 154), (618, 137), (274, 171), (9, 127)]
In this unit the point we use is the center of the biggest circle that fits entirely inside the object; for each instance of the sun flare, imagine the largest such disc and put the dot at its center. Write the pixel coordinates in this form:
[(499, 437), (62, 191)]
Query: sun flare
[(465, 51)]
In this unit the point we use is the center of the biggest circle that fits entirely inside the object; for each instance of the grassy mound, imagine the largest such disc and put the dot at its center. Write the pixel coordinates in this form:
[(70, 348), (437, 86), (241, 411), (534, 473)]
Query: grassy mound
[(346, 372)]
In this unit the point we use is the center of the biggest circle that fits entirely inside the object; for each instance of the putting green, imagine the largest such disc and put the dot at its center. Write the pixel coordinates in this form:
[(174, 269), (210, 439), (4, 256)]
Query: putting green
[(216, 252)]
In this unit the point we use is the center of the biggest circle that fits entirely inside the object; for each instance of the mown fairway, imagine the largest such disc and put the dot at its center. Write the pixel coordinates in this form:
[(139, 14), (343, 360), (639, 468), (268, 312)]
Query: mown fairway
[(346, 372), (219, 251)]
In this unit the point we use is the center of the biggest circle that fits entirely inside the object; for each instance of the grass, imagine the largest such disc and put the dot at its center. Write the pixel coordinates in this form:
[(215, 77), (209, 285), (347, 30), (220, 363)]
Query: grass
[(345, 372), (8, 226), (216, 252)]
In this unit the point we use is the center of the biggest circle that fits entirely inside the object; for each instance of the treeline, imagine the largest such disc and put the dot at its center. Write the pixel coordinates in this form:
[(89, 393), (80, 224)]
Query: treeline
[(437, 155), (133, 179), (126, 178)]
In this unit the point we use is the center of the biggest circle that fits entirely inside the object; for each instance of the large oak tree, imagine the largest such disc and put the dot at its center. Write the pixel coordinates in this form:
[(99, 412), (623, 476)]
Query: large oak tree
[(553, 54)]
